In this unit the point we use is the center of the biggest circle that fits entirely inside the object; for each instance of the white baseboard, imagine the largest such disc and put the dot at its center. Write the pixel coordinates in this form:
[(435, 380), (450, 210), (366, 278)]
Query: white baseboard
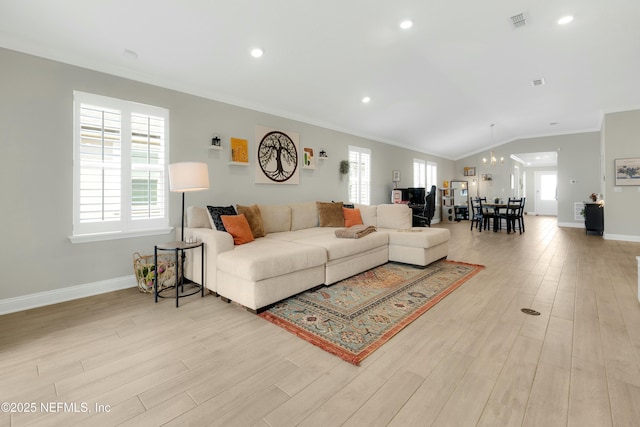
[(571, 224), (40, 299), (606, 236), (623, 237)]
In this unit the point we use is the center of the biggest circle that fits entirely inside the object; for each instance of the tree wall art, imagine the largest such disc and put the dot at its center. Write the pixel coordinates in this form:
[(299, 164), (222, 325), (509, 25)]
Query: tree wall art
[(277, 156)]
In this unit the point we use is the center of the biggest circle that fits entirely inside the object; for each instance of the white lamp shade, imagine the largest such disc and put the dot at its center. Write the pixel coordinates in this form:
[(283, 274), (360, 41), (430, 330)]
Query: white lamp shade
[(188, 176)]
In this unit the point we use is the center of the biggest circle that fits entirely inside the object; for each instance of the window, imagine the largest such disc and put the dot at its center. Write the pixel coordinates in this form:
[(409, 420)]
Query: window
[(120, 156), (425, 174), (419, 173), (359, 175), (432, 174)]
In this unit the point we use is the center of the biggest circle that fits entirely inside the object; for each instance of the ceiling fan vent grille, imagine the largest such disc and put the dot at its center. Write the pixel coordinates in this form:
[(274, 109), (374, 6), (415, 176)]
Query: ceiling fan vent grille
[(519, 20)]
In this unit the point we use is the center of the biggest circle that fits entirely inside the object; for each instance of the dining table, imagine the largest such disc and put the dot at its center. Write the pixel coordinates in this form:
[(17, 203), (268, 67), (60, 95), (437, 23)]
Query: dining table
[(496, 212)]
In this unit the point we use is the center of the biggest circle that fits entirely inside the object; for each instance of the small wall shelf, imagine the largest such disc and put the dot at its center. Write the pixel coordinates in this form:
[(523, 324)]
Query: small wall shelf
[(239, 163), (215, 147)]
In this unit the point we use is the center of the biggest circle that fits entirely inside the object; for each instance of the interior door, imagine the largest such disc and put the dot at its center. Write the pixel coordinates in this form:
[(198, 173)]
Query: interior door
[(546, 192)]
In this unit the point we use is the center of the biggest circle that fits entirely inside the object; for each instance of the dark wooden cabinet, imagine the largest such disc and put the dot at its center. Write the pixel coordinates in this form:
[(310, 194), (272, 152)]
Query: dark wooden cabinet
[(594, 218)]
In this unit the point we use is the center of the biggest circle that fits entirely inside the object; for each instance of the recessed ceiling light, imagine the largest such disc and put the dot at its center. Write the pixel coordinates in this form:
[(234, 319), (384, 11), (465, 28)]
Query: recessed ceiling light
[(257, 52), (366, 100), (565, 20), (405, 25)]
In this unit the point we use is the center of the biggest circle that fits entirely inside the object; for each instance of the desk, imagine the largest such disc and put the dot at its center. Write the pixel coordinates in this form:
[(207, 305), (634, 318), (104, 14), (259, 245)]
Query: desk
[(178, 247)]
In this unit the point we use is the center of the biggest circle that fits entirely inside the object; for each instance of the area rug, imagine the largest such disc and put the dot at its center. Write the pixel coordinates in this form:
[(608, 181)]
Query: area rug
[(354, 317)]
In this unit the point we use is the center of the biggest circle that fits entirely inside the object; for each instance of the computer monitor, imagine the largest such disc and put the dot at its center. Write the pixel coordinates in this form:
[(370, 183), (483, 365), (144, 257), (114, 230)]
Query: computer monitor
[(415, 195)]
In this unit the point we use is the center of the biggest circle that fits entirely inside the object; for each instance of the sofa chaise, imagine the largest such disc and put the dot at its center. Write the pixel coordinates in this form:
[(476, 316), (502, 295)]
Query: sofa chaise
[(299, 249)]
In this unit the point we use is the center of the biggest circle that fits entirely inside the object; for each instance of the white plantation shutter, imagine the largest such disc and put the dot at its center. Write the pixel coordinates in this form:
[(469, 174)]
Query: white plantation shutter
[(359, 175), (147, 167), (419, 173), (120, 157), (100, 155), (432, 175)]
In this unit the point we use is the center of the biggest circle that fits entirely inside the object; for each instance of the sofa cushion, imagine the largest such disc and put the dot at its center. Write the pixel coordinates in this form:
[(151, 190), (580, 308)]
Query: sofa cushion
[(340, 248), (214, 215), (238, 227), (305, 233), (275, 218), (254, 218), (303, 215), (330, 214), (396, 216), (369, 214), (267, 258), (198, 217), (419, 237), (352, 217)]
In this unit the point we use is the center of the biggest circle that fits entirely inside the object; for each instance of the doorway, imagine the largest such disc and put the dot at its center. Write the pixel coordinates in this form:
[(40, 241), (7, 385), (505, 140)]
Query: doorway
[(546, 192)]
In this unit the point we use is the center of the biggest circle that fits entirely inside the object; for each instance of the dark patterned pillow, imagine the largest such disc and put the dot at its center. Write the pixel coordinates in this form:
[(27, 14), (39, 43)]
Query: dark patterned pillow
[(216, 211)]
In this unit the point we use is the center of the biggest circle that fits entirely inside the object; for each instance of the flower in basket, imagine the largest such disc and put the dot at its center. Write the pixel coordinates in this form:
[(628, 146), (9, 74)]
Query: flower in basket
[(150, 276), (594, 197)]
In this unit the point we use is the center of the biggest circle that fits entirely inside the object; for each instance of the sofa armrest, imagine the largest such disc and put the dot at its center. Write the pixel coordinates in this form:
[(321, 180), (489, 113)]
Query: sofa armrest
[(215, 242)]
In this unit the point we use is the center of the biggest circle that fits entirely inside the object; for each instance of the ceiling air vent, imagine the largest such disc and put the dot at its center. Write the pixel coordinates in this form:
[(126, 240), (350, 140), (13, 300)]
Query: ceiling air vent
[(519, 20), (537, 82)]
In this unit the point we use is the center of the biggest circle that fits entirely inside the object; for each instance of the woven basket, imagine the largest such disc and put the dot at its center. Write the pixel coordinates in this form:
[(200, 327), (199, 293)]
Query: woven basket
[(145, 271)]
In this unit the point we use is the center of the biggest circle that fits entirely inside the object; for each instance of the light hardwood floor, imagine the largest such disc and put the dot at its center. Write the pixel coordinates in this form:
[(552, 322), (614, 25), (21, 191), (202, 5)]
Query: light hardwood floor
[(473, 360)]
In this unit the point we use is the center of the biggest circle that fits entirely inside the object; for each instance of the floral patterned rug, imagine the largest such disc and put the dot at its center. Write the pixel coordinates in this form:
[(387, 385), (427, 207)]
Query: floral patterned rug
[(354, 317)]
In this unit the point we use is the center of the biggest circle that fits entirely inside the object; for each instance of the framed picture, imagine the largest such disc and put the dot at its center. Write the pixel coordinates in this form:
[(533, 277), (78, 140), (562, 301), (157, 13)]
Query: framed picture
[(396, 176), (469, 171), (239, 151), (308, 161), (627, 171), (277, 156)]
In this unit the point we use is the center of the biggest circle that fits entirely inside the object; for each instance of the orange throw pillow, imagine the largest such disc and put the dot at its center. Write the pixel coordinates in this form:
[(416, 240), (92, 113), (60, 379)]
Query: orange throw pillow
[(352, 217), (238, 227)]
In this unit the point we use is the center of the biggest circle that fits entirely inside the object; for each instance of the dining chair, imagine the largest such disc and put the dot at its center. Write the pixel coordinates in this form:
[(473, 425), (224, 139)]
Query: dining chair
[(488, 213), (476, 214), (520, 217), (512, 215)]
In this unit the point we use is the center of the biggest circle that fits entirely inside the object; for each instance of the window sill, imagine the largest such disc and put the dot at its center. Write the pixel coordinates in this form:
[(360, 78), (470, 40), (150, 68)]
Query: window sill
[(99, 237)]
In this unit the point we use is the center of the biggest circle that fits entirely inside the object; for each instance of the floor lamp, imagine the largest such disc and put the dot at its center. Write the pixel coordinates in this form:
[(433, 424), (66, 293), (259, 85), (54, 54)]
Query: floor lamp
[(185, 177)]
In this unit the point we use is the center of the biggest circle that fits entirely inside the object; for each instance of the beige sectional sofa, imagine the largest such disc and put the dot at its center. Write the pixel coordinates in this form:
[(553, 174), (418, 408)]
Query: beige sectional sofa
[(296, 254)]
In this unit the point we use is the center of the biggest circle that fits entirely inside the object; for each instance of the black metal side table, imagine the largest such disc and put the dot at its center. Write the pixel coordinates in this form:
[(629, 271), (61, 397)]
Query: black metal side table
[(178, 247)]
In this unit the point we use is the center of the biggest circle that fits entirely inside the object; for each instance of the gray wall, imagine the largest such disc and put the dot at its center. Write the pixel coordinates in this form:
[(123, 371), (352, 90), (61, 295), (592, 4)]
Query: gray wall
[(578, 159), (621, 139), (36, 169)]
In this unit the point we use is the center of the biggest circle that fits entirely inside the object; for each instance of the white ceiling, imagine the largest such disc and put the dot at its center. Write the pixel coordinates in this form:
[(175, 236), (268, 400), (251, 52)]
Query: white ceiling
[(435, 88), (537, 159)]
